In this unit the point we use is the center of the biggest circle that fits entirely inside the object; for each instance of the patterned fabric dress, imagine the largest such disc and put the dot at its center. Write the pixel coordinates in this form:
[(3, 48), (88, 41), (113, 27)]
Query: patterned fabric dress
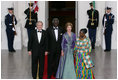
[(66, 69), (83, 48)]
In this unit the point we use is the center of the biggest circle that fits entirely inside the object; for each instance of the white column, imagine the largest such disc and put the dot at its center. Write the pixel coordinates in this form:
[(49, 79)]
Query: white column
[(76, 18), (83, 6), (17, 40), (22, 5), (43, 13), (46, 14), (100, 6)]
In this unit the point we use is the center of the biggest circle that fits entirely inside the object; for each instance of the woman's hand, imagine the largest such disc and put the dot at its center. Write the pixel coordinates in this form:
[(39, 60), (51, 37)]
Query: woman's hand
[(29, 52), (62, 53)]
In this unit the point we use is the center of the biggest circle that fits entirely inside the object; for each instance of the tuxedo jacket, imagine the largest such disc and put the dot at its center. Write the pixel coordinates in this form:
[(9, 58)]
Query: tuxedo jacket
[(34, 45), (53, 45)]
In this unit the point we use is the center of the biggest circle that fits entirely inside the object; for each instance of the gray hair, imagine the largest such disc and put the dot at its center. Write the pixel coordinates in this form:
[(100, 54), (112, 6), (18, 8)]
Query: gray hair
[(55, 19), (39, 22)]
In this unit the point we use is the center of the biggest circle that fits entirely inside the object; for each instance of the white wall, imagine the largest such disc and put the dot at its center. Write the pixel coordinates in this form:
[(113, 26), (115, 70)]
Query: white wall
[(42, 14), (83, 6), (100, 6), (17, 40)]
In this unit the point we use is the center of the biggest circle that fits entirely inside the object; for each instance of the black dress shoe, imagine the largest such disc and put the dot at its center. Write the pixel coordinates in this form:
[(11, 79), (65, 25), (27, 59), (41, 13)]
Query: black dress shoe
[(107, 50), (13, 50), (40, 77), (49, 77), (10, 50), (93, 47)]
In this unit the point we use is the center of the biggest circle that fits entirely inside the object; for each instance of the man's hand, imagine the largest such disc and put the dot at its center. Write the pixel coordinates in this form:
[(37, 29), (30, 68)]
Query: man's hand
[(46, 53), (29, 52), (62, 53)]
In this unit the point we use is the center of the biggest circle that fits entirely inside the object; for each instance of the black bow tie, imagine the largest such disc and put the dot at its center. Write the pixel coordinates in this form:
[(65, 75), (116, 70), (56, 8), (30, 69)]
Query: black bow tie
[(55, 28), (40, 31)]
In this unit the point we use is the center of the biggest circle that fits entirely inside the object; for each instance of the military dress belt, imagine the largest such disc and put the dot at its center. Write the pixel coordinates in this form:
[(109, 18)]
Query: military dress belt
[(92, 19), (32, 20)]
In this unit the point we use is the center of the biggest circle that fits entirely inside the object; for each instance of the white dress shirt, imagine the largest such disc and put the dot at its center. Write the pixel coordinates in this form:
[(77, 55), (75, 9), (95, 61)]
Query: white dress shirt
[(39, 34), (56, 33), (10, 14)]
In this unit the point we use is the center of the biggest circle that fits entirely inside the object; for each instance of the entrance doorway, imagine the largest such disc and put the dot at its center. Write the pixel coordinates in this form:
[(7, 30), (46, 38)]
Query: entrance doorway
[(64, 11)]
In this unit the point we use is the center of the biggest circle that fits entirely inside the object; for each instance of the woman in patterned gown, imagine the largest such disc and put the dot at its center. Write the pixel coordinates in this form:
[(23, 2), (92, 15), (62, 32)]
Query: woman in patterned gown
[(81, 49), (66, 69)]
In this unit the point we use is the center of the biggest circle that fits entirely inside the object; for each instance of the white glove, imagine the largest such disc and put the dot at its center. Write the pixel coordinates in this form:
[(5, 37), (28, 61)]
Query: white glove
[(10, 24), (13, 29), (14, 22), (105, 19)]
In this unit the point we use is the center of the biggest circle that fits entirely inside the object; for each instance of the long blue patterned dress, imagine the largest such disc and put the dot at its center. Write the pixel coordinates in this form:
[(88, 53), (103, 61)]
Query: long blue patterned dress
[(66, 69)]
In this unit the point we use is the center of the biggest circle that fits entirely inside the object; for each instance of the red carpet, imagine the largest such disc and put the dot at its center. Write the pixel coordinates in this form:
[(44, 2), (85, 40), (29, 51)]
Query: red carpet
[(45, 75)]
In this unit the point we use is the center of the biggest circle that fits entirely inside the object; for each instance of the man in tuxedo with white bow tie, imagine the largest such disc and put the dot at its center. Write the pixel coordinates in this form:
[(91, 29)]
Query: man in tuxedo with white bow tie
[(37, 48), (54, 37)]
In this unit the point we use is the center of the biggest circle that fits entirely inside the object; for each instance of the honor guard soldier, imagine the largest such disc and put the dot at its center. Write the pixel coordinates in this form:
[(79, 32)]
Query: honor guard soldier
[(108, 20), (10, 22), (31, 19), (92, 24)]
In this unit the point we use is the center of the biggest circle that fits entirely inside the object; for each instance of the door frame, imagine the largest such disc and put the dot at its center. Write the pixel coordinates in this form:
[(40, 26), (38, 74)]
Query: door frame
[(76, 16)]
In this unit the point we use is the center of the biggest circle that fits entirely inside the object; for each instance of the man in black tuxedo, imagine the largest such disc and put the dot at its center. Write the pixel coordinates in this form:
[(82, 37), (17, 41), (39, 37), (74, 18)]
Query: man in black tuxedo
[(54, 36), (37, 47)]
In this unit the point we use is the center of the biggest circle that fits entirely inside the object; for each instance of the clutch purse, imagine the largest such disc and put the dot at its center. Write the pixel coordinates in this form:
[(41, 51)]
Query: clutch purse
[(88, 62)]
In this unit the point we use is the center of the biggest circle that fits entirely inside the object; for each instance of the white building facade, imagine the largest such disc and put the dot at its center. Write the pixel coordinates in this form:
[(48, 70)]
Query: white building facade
[(81, 20)]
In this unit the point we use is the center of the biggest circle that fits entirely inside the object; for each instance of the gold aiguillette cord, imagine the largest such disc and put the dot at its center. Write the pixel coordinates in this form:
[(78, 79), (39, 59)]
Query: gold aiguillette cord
[(38, 70)]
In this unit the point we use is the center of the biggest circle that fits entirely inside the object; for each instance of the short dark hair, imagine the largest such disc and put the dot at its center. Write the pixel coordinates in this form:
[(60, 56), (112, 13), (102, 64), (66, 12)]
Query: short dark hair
[(55, 19), (84, 30)]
